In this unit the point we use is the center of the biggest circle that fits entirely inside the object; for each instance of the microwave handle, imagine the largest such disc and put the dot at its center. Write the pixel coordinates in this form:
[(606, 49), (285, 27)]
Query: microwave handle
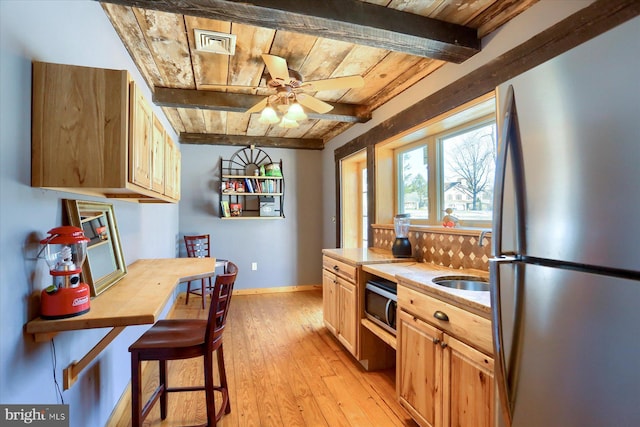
[(387, 309)]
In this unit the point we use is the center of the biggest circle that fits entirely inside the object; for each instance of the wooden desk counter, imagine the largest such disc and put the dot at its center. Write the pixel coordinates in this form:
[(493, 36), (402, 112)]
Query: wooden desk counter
[(137, 299)]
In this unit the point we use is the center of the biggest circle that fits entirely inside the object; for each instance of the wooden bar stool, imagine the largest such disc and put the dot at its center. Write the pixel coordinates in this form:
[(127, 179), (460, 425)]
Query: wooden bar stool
[(198, 247), (176, 339)]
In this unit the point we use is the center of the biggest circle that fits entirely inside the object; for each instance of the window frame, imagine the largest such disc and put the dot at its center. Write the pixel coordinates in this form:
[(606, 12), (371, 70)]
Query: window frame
[(435, 158)]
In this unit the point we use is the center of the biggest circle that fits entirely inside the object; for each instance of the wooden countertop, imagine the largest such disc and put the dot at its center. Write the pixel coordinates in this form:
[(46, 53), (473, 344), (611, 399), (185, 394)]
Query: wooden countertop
[(362, 256), (418, 276), (137, 299)]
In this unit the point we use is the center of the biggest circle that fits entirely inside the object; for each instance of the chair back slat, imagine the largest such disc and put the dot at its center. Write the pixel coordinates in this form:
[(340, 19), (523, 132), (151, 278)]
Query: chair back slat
[(220, 301), (198, 246)]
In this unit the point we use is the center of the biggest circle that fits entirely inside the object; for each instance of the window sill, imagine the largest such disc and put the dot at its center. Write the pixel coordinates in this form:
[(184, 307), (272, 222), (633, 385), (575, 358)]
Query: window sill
[(466, 231)]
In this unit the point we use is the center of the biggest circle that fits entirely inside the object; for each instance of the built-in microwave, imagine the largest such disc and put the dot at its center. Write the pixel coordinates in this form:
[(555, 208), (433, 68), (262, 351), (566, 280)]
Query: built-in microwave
[(380, 303)]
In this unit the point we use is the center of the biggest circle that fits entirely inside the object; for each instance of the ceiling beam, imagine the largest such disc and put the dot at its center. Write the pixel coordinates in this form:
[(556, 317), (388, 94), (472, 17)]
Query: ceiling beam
[(240, 103), (352, 21), (244, 141), (587, 23)]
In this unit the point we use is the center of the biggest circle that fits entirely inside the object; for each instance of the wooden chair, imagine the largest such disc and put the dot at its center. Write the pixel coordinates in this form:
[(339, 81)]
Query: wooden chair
[(176, 339), (198, 247)]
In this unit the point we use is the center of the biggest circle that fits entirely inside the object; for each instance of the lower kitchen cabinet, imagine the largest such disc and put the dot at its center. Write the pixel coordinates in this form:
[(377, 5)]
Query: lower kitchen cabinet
[(339, 309), (442, 381), (347, 315), (330, 301), (470, 395), (340, 298), (419, 369)]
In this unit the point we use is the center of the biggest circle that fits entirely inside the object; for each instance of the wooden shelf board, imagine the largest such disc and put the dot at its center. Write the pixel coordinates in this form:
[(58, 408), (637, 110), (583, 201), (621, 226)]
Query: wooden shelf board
[(252, 217), (248, 193), (384, 335), (251, 177)]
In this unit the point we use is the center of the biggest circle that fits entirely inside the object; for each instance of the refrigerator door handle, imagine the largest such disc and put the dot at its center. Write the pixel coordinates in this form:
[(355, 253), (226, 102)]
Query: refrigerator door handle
[(510, 140), (507, 396)]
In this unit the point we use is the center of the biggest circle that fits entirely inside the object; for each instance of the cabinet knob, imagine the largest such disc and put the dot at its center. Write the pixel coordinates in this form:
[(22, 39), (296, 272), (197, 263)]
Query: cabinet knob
[(436, 341), (336, 268), (441, 316), (443, 344)]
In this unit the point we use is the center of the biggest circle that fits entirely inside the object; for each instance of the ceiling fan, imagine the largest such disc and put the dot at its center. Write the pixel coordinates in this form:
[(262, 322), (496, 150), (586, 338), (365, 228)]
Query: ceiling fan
[(290, 86), (290, 93)]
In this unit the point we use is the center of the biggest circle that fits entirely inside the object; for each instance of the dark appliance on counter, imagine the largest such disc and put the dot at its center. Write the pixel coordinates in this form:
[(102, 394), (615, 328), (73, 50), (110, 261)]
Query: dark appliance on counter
[(380, 302), (401, 245)]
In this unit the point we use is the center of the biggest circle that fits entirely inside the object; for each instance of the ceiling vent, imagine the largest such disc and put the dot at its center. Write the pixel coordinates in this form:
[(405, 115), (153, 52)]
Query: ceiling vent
[(213, 42)]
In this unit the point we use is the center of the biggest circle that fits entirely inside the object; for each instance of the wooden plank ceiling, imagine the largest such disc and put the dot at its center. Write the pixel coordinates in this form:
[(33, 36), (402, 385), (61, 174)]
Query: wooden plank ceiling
[(392, 44)]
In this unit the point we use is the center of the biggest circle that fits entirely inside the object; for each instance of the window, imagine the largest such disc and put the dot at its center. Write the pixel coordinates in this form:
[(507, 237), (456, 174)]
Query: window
[(449, 170), (365, 217), (468, 166), (414, 192), (353, 218)]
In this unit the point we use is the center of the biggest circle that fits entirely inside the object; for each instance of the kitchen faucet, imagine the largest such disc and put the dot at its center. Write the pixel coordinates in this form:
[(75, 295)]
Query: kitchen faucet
[(482, 234)]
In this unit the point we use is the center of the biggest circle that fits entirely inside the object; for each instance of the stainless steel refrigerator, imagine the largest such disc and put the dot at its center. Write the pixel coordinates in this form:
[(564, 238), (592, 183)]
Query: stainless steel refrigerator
[(565, 269)]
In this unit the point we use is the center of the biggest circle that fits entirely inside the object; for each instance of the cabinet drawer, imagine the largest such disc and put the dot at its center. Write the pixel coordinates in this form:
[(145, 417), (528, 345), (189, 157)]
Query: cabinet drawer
[(467, 327), (342, 269)]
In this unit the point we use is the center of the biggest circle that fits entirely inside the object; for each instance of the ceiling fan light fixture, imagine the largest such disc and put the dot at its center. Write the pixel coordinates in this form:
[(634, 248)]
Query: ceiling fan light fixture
[(296, 112), (288, 123), (269, 116)]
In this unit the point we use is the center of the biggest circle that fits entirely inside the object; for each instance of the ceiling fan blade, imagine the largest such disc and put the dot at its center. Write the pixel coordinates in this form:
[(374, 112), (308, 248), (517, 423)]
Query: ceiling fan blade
[(347, 82), (314, 104), (258, 107), (277, 67)]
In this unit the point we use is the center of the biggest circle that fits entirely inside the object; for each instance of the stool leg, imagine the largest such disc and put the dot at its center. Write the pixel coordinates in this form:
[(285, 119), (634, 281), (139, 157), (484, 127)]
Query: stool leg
[(223, 378), (188, 292), (136, 390), (208, 389), (204, 291), (163, 384)]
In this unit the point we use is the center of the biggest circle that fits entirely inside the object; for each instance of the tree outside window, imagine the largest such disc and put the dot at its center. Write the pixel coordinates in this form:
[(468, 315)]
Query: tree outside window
[(415, 182), (468, 170)]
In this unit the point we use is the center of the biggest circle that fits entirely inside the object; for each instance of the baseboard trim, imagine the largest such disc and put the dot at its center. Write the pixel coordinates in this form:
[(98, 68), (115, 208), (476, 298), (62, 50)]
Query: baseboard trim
[(280, 289)]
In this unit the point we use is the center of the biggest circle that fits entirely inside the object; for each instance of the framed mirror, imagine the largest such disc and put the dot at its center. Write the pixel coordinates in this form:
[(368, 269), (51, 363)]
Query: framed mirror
[(104, 265)]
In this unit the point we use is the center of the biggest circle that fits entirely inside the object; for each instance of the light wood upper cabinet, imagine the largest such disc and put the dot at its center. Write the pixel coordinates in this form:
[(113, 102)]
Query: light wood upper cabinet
[(158, 151), (172, 161), (93, 134)]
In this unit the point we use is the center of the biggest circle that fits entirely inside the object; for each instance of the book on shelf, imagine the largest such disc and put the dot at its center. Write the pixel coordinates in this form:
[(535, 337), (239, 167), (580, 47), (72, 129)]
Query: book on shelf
[(226, 211), (248, 185), (236, 209)]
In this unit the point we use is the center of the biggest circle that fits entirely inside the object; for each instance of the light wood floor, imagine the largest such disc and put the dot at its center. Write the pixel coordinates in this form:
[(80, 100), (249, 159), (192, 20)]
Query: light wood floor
[(284, 370)]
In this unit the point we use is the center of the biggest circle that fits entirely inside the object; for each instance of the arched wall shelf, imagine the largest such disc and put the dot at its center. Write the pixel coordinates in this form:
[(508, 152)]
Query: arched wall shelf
[(252, 186)]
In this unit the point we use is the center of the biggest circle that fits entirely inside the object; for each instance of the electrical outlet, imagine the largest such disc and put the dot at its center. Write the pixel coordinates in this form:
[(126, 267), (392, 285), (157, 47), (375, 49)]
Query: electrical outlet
[(254, 266)]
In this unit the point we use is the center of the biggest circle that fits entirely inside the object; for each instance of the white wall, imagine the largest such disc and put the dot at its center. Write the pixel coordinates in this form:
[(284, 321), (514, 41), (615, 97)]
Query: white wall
[(70, 32)]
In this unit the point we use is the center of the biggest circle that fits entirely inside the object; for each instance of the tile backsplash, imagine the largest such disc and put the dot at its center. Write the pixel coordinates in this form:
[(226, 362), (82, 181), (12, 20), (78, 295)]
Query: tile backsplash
[(453, 248)]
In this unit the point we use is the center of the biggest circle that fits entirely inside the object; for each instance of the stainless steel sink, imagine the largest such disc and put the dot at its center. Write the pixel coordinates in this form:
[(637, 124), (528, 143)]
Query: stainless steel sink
[(466, 283)]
